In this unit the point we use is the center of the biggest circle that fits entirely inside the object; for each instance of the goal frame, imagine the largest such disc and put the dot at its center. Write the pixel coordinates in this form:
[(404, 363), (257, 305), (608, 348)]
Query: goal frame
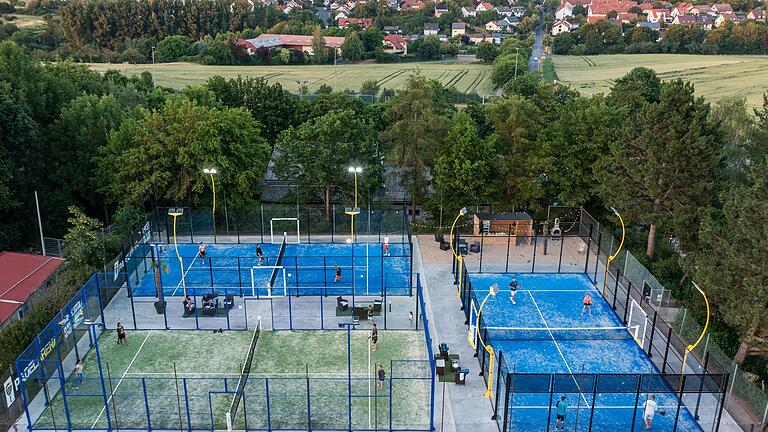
[(287, 236), (636, 327), (270, 290)]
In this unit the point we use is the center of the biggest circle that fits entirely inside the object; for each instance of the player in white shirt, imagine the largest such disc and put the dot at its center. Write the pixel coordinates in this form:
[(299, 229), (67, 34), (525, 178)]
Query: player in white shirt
[(651, 407), (386, 244)]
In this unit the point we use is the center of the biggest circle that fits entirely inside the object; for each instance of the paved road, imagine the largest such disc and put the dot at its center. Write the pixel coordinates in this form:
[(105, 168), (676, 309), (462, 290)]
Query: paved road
[(538, 48)]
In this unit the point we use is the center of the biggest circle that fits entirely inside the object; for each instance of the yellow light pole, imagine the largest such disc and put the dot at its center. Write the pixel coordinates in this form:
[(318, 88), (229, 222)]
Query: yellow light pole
[(612, 257), (212, 172), (459, 258), (176, 212), (494, 289), (692, 347), (354, 210)]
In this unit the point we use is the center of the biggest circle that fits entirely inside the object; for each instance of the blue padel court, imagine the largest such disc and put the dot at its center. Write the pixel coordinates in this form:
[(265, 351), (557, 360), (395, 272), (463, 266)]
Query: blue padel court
[(287, 269), (575, 350)]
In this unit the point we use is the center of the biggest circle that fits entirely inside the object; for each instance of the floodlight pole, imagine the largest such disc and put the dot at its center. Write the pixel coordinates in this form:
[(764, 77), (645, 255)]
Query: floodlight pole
[(176, 212), (40, 224), (692, 347), (355, 210), (488, 348), (612, 257), (212, 172), (458, 257)]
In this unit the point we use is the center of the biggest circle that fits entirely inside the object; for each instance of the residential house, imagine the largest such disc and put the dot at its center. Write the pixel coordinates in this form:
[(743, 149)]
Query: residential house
[(440, 9), (492, 26), (658, 15), (504, 11), (732, 17), (700, 10), (498, 38), (681, 9), (412, 5), (392, 30), (518, 11), (722, 8), (479, 37), (458, 29), (707, 22), (563, 26), (341, 15), (599, 10), (468, 11), (626, 17), (757, 15), (651, 25), (685, 20), (23, 277), (564, 10), (508, 24), (483, 7), (431, 29), (297, 42), (395, 44), (363, 23), (645, 8)]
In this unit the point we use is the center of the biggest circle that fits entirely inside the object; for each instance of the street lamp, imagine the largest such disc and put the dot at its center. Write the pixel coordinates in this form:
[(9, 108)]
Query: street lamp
[(355, 170), (212, 172), (458, 257), (612, 257), (176, 212), (493, 291)]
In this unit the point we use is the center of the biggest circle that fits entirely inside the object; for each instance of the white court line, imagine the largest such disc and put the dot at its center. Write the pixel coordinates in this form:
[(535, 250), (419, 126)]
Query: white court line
[(558, 348), (121, 379), (184, 274)]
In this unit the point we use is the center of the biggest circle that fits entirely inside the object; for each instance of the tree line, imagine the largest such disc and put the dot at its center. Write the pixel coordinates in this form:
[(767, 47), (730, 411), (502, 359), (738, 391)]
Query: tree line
[(602, 37)]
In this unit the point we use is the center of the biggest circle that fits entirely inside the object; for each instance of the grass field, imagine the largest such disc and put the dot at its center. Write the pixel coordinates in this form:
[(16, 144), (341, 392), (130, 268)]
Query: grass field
[(465, 77), (26, 21), (713, 76), (144, 393)]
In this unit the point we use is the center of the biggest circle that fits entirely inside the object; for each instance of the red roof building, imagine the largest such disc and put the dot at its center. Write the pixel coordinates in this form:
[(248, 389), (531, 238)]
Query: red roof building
[(21, 275), (363, 23)]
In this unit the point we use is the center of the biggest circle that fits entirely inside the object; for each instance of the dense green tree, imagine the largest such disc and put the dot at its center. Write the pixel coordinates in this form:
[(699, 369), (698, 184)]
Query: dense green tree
[(582, 131), (370, 88), (352, 49), (516, 122), (165, 151), (272, 106), (733, 271), (372, 39), (506, 68), (737, 129), (417, 124), (663, 170), (318, 153), (74, 140), (171, 49), (428, 48), (464, 165), (319, 50), (487, 51)]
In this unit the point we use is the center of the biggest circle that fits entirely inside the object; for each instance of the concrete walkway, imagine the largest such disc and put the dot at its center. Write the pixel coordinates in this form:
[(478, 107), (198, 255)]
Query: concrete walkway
[(466, 409)]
